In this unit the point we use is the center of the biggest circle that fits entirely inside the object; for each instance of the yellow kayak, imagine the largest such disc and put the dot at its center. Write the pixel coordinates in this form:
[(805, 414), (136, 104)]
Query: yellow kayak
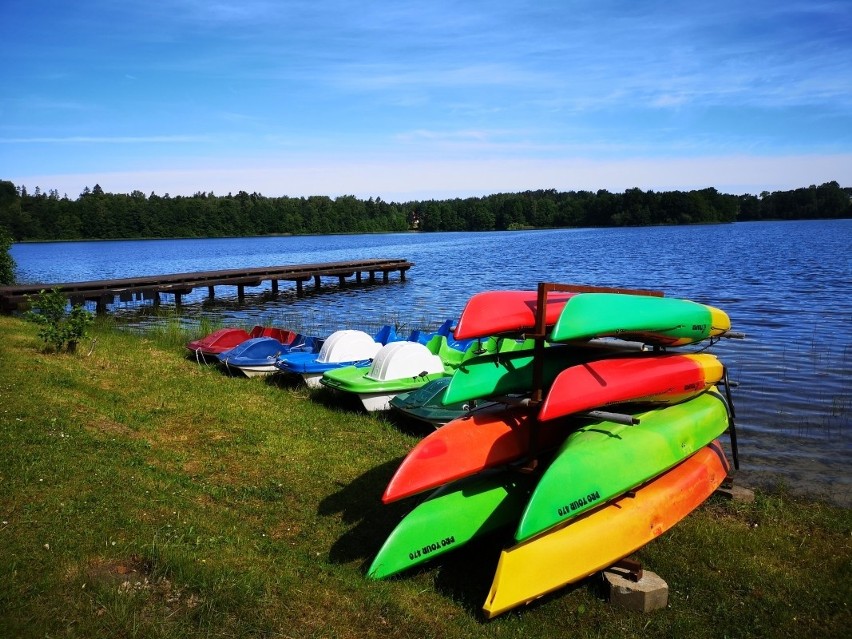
[(601, 537)]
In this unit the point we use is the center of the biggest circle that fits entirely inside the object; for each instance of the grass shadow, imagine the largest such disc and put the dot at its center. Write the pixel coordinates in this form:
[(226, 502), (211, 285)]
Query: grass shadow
[(372, 521), (338, 401), (286, 381), (408, 425)]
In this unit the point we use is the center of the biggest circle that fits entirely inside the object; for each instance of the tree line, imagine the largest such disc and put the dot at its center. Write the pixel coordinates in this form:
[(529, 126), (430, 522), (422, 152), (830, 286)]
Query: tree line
[(95, 214)]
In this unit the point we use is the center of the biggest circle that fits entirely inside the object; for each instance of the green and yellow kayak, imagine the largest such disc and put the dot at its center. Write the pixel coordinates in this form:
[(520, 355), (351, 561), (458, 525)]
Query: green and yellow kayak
[(605, 459), (659, 321)]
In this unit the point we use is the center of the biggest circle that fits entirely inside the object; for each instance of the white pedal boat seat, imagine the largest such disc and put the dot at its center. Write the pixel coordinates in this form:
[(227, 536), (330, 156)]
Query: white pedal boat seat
[(348, 346), (403, 359)]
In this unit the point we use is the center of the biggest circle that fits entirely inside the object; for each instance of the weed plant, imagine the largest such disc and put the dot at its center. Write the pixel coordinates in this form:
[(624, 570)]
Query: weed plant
[(145, 495), (60, 328)]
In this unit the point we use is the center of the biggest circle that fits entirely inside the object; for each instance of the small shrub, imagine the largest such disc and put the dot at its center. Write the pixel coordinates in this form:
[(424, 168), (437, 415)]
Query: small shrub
[(59, 330)]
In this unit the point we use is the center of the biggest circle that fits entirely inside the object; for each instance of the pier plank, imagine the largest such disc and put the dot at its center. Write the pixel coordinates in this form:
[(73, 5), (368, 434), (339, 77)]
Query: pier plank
[(177, 284)]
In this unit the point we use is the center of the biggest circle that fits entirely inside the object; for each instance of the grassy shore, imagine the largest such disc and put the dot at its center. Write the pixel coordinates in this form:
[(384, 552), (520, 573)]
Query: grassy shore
[(145, 495)]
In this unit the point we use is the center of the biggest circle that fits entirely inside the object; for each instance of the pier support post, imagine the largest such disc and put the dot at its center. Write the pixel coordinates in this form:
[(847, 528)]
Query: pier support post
[(402, 275), (103, 293), (101, 304), (241, 292)]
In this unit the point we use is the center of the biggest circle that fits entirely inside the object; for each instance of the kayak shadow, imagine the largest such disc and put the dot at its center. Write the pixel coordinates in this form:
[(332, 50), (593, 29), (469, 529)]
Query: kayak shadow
[(465, 575), (359, 503), (408, 425)]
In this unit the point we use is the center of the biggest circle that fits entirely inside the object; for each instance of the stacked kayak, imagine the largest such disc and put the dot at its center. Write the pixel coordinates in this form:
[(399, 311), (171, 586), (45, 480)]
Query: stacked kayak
[(654, 320), (573, 480), (586, 447), (595, 541)]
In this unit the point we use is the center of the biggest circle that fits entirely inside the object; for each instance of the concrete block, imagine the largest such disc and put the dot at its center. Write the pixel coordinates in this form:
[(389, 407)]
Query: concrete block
[(648, 594), (737, 493)]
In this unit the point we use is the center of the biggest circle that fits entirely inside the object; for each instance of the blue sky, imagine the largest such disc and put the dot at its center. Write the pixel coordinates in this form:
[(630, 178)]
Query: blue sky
[(435, 99)]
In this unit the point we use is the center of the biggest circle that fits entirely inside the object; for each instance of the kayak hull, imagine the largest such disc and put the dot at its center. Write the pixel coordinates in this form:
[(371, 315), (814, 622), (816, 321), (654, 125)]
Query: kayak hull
[(652, 379), (495, 312), (452, 516), (660, 321), (487, 437), (501, 374), (601, 537), (605, 459)]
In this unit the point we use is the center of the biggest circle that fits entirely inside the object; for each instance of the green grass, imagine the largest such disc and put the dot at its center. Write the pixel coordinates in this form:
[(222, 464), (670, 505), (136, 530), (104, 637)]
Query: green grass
[(145, 495)]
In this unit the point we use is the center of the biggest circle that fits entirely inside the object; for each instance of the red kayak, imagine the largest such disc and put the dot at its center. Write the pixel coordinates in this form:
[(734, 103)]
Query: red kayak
[(652, 379), (493, 436), (495, 312), (227, 338)]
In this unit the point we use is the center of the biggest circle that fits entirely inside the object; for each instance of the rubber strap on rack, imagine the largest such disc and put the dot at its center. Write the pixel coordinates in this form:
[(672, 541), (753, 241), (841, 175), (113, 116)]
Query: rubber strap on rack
[(732, 427)]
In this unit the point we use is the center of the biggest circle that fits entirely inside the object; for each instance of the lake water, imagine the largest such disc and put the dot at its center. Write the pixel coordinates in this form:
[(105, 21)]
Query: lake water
[(786, 285)]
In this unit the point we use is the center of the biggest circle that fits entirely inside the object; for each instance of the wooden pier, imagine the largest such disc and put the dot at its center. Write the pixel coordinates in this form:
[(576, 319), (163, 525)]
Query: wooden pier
[(105, 292)]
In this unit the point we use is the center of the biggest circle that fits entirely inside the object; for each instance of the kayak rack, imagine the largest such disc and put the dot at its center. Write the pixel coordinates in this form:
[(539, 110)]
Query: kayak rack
[(539, 336), (540, 331)]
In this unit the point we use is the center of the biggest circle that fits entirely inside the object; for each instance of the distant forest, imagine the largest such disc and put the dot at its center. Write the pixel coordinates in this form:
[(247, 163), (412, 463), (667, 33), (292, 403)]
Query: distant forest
[(98, 215)]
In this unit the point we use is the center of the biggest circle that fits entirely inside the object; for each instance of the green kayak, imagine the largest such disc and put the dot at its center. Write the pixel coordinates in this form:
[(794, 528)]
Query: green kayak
[(604, 460), (507, 373), (452, 516), (660, 321)]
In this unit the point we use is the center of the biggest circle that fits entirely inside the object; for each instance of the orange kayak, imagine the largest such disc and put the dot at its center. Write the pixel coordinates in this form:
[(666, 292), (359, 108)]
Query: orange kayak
[(485, 438)]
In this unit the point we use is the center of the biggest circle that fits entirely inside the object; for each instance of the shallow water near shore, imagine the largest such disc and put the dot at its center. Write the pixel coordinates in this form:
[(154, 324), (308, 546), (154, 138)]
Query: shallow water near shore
[(786, 285)]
